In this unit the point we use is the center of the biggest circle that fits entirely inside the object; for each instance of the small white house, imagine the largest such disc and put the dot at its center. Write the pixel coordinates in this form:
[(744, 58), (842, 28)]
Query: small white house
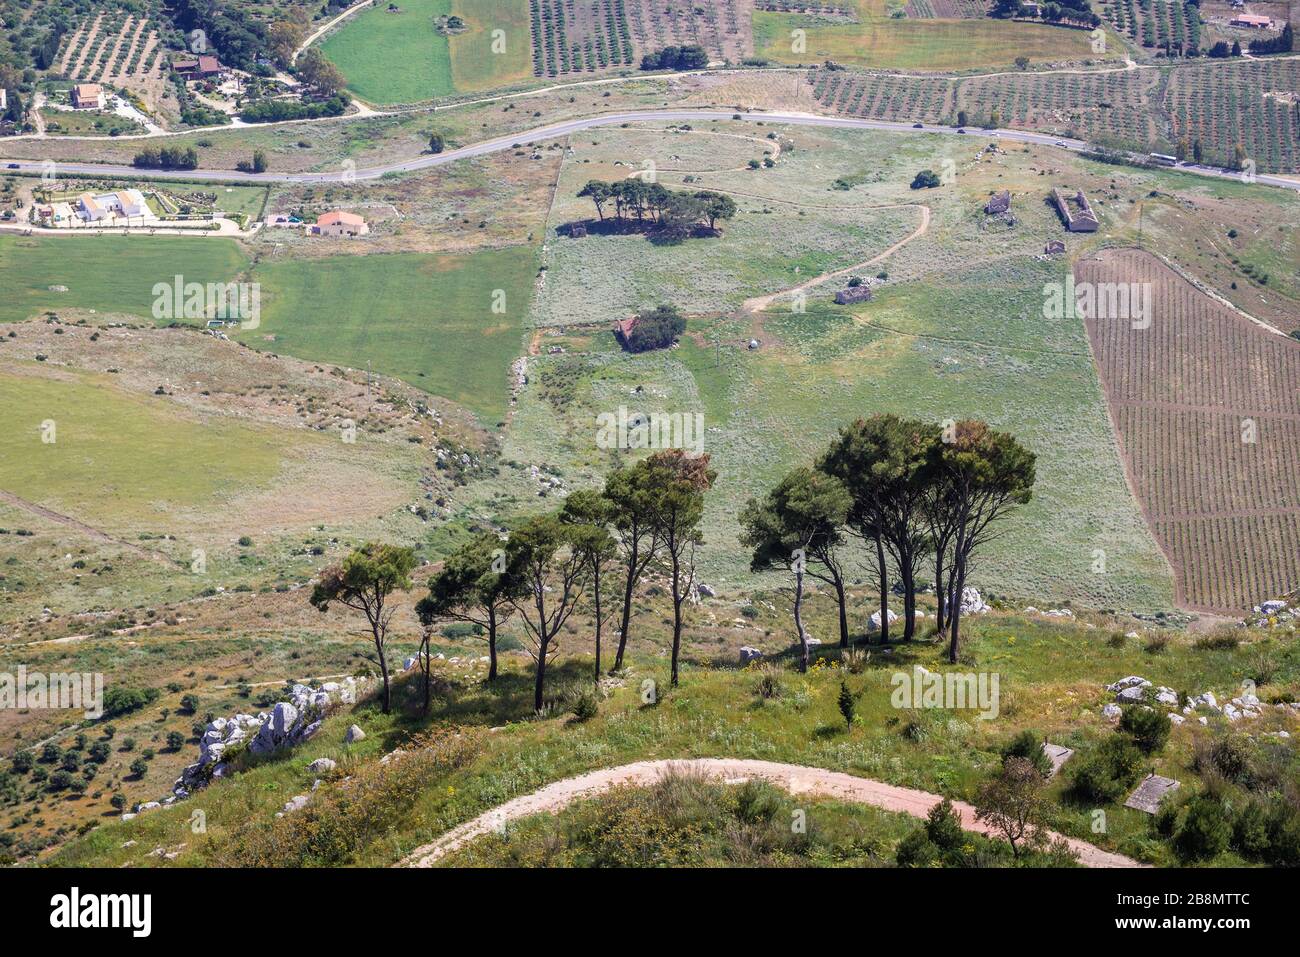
[(127, 203), (338, 223)]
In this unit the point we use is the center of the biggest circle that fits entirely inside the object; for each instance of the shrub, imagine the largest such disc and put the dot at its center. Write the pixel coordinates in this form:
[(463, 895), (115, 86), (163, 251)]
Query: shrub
[(1157, 643), (119, 701), (943, 827), (1029, 746), (768, 687), (584, 705), (916, 850), (926, 179), (1228, 756), (1107, 774), (341, 822), (1219, 641), (1148, 727), (1204, 831)]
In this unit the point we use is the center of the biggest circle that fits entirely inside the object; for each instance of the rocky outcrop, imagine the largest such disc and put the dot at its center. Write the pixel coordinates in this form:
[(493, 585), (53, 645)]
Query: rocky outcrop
[(286, 724)]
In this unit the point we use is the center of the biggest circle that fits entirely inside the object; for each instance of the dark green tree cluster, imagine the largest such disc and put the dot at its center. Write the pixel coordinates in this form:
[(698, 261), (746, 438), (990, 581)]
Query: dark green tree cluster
[(691, 57), (655, 328), (167, 157), (676, 214), (907, 490)]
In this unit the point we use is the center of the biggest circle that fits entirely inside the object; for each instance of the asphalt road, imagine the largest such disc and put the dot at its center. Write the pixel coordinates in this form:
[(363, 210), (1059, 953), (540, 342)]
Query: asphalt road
[(556, 130)]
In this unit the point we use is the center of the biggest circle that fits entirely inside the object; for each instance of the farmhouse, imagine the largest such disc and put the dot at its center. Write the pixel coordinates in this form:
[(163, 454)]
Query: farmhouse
[(1252, 21), (1076, 211), (1000, 202), (338, 223), (127, 202), (623, 329), (88, 96), (853, 294), (198, 68)]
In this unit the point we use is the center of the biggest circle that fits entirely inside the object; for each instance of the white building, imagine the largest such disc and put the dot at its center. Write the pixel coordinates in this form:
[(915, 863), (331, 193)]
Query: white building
[(126, 203)]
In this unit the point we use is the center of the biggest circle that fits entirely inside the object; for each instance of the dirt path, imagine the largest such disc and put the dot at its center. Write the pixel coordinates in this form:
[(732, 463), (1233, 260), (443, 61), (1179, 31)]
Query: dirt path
[(329, 25), (9, 498), (792, 777), (759, 303)]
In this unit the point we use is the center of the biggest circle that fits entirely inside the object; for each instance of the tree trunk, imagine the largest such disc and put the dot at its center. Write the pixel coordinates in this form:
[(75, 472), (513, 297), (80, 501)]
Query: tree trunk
[(539, 682), (940, 591), (383, 669), (954, 617), (908, 574), (596, 586), (427, 667), (844, 611), (677, 614), (492, 643), (629, 587), (798, 619), (884, 590)]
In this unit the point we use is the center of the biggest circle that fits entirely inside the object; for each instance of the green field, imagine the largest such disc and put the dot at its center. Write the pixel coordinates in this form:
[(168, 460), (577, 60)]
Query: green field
[(425, 319), (906, 44), (400, 57), (118, 460), (110, 274)]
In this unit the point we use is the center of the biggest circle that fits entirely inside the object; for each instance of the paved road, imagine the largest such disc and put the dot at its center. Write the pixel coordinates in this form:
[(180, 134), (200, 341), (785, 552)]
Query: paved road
[(568, 127), (794, 778)]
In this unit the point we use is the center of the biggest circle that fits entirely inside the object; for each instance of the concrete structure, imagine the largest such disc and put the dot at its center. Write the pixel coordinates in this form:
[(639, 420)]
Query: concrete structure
[(860, 293), (199, 68), (1076, 211), (338, 223), (999, 202), (87, 96), (1149, 793), (1251, 21), (125, 203)]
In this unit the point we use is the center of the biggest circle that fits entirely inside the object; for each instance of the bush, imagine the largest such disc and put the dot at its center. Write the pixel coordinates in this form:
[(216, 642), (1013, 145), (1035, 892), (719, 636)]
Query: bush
[(1106, 775), (656, 328), (926, 179), (584, 705), (119, 701), (1148, 727), (1029, 746), (916, 850), (943, 827), (768, 687), (341, 822), (1204, 831), (1228, 756)]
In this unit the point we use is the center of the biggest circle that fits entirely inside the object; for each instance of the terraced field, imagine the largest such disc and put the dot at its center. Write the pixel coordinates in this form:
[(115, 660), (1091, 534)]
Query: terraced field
[(1205, 408)]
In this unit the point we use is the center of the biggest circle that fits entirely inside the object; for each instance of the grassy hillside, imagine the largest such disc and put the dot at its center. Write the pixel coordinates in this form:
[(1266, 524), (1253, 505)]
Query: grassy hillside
[(109, 274), (428, 320)]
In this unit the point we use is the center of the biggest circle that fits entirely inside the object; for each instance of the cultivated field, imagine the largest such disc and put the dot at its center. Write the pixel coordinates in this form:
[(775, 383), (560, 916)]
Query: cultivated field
[(1252, 105), (399, 55), (1162, 24), (432, 321), (878, 40), (111, 275), (1206, 411)]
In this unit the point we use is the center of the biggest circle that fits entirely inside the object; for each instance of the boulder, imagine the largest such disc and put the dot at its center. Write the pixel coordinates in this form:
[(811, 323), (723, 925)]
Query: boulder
[(1177, 718), (706, 591), (972, 603), (748, 654), (322, 765), (1134, 695), (1129, 682), (354, 734), (1112, 711), (1166, 696), (873, 623)]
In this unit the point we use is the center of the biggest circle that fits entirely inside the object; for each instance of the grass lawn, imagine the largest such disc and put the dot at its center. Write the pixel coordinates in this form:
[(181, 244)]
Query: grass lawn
[(425, 319), (1051, 682), (110, 274), (883, 42), (121, 460), (400, 57)]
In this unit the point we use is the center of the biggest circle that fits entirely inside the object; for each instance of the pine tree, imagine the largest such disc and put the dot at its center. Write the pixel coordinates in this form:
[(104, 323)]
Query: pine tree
[(847, 706)]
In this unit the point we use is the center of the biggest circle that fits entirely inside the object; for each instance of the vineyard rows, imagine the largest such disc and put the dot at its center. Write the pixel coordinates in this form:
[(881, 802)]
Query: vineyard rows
[(111, 51), (946, 9), (1157, 23), (1208, 417), (885, 97), (1255, 105)]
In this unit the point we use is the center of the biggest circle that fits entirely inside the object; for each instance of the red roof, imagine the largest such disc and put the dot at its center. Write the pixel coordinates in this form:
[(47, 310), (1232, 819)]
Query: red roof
[(336, 217)]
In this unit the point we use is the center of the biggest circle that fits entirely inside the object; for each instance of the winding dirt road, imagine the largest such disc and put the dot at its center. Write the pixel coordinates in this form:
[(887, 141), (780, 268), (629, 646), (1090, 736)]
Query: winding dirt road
[(759, 303), (792, 777)]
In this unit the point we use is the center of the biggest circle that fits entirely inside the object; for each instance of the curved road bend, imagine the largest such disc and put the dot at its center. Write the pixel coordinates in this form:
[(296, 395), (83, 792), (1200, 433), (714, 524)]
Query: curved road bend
[(568, 127), (794, 778)]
